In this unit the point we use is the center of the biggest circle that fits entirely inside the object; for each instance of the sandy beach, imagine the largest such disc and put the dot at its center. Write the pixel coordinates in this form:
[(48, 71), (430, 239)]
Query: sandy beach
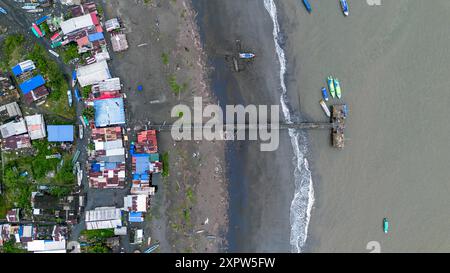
[(392, 62), (189, 210)]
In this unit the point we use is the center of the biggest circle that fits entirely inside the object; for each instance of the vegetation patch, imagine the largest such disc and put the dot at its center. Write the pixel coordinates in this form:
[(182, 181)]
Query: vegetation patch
[(165, 162)]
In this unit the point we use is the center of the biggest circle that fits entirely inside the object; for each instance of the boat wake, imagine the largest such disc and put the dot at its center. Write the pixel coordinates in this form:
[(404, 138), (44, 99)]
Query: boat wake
[(302, 203)]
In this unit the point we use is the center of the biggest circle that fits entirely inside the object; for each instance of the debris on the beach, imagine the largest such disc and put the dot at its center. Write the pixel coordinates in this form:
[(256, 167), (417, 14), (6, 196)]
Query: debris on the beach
[(211, 237), (206, 221), (140, 45), (200, 231)]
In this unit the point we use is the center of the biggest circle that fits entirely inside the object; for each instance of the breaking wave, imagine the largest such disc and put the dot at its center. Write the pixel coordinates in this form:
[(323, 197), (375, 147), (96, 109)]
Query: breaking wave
[(302, 203)]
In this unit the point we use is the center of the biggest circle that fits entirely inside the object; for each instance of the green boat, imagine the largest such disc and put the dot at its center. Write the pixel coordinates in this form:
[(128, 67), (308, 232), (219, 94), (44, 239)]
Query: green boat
[(385, 225), (331, 87), (337, 86)]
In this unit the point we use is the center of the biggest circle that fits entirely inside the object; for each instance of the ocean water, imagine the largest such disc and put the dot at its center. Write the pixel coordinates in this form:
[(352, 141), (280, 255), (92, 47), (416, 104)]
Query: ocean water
[(303, 200)]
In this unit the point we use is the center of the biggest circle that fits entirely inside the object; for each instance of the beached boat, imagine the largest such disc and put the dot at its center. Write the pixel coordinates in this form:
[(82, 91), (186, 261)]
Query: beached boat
[(385, 225), (337, 87), (80, 131), (30, 6), (325, 108), (74, 78), (53, 53), (79, 176), (307, 5), (331, 86), (35, 10), (152, 248), (2, 10), (246, 56), (36, 31), (344, 6), (324, 93), (69, 97), (77, 94)]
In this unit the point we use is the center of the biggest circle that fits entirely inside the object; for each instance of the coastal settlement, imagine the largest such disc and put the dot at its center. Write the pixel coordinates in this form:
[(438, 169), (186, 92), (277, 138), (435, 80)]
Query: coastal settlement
[(50, 166)]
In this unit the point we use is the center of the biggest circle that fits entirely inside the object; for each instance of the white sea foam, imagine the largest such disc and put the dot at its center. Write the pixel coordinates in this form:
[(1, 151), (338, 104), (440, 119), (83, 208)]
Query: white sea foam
[(302, 203)]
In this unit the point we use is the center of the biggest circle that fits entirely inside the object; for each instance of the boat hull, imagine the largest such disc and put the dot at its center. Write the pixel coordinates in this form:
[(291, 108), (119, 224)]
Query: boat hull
[(331, 87)]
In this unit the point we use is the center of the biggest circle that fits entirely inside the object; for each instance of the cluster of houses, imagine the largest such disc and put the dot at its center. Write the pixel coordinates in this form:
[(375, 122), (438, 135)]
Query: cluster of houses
[(43, 233)]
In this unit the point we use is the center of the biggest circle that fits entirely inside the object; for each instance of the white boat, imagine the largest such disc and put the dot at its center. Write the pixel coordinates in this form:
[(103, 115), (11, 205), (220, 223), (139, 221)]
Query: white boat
[(325, 108), (53, 53), (79, 174), (80, 131)]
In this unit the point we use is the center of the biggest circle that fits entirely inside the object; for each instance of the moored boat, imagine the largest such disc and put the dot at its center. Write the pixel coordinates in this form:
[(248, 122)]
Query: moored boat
[(344, 6), (246, 55), (331, 86), (152, 248), (307, 5), (324, 93), (80, 131), (337, 87), (385, 225), (2, 10), (69, 97), (325, 108)]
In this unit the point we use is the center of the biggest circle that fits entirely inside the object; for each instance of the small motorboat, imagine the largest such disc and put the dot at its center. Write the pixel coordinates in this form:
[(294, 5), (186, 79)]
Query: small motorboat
[(2, 10), (324, 93), (247, 56), (344, 6), (331, 86), (325, 108), (80, 131), (307, 6), (69, 97), (337, 87), (385, 225)]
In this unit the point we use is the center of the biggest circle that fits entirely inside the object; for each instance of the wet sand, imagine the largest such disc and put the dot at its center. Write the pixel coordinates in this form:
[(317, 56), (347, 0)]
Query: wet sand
[(392, 61), (261, 183)]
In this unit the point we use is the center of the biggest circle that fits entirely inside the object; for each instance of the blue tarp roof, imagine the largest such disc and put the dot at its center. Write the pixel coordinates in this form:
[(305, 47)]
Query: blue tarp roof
[(142, 165), (17, 70), (96, 36), (135, 217), (95, 167), (31, 84), (60, 133), (109, 112)]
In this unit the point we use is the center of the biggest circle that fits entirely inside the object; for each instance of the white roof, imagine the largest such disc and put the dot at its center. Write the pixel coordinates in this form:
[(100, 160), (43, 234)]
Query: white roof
[(103, 224), (141, 202), (13, 128), (44, 245), (76, 23), (93, 73), (12, 109), (114, 152), (103, 213), (112, 24), (108, 145), (36, 126)]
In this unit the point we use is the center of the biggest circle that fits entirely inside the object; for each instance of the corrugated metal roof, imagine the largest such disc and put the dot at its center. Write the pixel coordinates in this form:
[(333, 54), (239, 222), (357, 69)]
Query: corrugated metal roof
[(76, 23), (93, 73), (31, 84), (109, 112), (60, 133)]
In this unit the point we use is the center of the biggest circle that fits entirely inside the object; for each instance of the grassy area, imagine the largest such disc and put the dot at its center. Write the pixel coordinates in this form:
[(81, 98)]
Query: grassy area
[(12, 50), (96, 240), (57, 101), (24, 172), (12, 247), (165, 58), (165, 162)]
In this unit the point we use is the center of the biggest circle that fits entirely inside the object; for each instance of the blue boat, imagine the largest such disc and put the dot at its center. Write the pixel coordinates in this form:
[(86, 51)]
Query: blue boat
[(41, 20), (344, 6), (307, 5), (77, 94), (246, 56), (385, 225), (2, 10), (74, 78), (324, 94)]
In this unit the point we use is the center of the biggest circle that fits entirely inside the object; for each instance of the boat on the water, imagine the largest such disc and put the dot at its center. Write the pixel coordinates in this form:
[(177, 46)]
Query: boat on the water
[(337, 87), (344, 6), (247, 56), (307, 5), (30, 6), (331, 86), (2, 10), (152, 248), (324, 93), (325, 108), (385, 225), (69, 97)]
